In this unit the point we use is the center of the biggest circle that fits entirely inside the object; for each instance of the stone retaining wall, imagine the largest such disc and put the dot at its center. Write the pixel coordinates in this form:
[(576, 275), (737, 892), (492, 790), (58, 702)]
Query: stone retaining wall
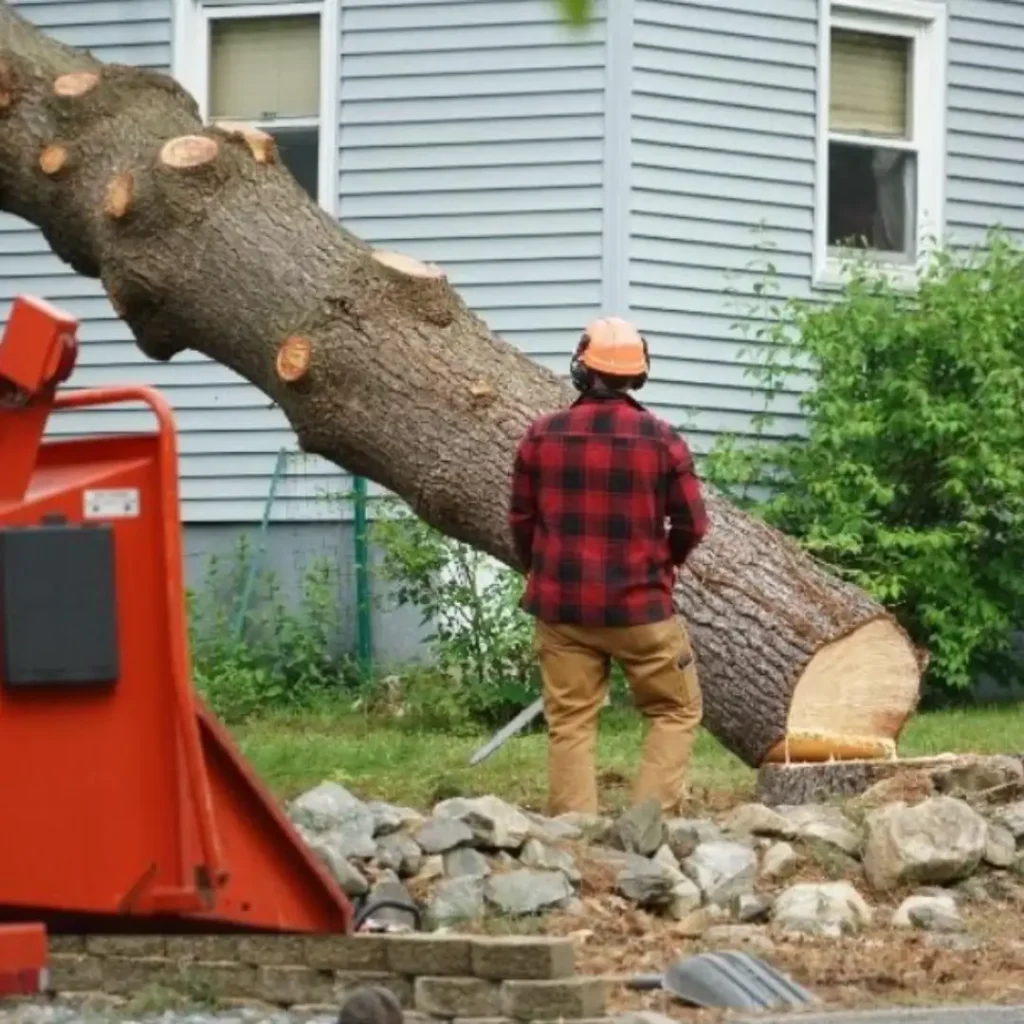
[(442, 977)]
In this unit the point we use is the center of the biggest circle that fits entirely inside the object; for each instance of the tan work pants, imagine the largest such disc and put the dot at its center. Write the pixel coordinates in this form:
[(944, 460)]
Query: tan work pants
[(658, 663)]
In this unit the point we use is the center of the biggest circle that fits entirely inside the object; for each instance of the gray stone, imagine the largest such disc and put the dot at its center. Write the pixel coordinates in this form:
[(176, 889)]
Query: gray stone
[(684, 835), (394, 918), (554, 830), (758, 820), (400, 853), (750, 907), (439, 835), (432, 867), (494, 824), (976, 776), (350, 842), (464, 860), (722, 870), (686, 898), (330, 806), (345, 874), (528, 892), (828, 909), (536, 854), (825, 823), (939, 840), (667, 859), (389, 818), (958, 942), (646, 882), (1000, 847), (744, 937), (592, 826), (456, 900), (1012, 817), (779, 862), (929, 913), (638, 830)]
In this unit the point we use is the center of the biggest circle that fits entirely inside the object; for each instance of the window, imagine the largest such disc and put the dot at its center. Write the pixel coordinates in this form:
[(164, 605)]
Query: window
[(880, 146), (263, 64)]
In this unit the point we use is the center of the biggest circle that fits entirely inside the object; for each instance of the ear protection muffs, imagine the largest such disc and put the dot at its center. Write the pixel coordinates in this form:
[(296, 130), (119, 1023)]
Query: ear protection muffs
[(582, 376)]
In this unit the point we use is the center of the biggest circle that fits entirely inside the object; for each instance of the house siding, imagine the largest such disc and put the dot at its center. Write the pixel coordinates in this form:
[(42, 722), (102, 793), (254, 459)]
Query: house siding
[(472, 136)]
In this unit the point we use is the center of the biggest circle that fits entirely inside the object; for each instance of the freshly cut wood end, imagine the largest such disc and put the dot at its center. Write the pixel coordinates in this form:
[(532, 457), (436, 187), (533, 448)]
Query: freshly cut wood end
[(119, 196), (188, 151), (77, 83), (408, 265), (293, 358), (52, 159), (261, 144), (853, 698)]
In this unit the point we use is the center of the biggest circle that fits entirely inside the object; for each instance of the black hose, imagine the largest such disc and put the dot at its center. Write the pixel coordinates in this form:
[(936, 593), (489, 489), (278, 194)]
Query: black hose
[(369, 909)]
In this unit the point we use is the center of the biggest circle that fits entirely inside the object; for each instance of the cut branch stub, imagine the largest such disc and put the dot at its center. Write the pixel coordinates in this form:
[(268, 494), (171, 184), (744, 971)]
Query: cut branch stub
[(53, 159), (261, 144), (423, 286), (119, 196), (293, 358), (75, 84), (187, 152)]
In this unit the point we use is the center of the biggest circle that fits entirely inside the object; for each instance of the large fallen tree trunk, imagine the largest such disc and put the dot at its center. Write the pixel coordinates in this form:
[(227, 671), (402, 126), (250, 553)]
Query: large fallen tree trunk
[(204, 241)]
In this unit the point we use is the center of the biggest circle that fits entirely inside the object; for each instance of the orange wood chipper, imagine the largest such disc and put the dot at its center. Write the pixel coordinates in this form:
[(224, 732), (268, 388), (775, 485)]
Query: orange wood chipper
[(125, 805)]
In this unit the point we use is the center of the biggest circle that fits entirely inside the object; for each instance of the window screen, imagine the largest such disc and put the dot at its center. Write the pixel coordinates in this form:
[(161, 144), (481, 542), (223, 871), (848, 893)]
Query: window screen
[(264, 68), (870, 84)]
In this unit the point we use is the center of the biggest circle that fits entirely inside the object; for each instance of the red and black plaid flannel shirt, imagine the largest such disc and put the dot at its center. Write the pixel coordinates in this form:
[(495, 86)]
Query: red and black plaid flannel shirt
[(592, 488)]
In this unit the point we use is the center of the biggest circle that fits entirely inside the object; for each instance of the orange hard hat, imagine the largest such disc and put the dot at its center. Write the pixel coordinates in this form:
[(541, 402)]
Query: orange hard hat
[(614, 346)]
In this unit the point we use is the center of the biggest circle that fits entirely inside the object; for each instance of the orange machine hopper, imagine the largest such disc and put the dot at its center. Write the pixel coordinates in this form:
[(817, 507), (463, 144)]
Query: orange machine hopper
[(125, 805)]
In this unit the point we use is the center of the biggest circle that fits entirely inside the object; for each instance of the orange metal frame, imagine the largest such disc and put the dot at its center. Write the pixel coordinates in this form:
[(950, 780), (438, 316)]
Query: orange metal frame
[(129, 801)]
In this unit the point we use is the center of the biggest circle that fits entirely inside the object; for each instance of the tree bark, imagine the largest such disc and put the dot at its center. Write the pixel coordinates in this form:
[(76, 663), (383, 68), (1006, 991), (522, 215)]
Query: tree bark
[(203, 240)]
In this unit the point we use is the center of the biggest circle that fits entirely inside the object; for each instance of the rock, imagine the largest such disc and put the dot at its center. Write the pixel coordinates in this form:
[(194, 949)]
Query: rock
[(554, 829), (646, 882), (494, 824), (685, 899), (329, 806), (527, 892), (592, 826), (400, 853), (722, 870), (345, 874), (958, 942), (439, 835), (746, 937), (638, 830), (432, 867), (464, 860), (1000, 847), (750, 907), (829, 909), (694, 924), (350, 842), (909, 786), (973, 890), (667, 859), (758, 820), (779, 862), (536, 854), (393, 918), (825, 823), (387, 818), (939, 840), (684, 835), (929, 913), (456, 900), (1011, 817), (978, 775)]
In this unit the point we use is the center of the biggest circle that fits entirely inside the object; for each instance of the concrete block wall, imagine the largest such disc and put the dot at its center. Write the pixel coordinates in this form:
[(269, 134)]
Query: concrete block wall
[(507, 978)]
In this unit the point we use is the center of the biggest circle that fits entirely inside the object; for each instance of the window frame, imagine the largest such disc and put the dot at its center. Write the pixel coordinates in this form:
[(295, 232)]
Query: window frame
[(924, 22), (191, 67)]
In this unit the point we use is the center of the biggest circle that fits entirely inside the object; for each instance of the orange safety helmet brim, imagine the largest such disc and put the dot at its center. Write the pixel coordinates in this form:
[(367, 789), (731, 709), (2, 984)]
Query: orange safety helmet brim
[(614, 346)]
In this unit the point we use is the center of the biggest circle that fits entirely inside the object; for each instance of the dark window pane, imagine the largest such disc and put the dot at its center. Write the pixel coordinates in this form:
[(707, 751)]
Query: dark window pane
[(300, 153), (872, 200)]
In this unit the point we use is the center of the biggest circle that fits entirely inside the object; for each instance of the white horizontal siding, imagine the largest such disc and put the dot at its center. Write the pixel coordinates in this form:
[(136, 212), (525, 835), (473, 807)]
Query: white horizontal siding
[(985, 135), (228, 434), (723, 151), (472, 136)]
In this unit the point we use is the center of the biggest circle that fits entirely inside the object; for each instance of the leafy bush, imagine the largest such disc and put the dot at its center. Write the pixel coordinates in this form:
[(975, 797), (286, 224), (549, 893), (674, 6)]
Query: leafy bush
[(282, 658), (480, 640), (910, 479)]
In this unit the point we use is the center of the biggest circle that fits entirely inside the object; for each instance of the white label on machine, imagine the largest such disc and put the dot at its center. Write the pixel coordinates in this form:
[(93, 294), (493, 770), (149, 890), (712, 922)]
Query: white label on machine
[(112, 504)]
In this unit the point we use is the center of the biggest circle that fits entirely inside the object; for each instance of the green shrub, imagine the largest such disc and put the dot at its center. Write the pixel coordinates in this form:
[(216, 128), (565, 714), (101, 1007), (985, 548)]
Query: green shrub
[(283, 659), (910, 479)]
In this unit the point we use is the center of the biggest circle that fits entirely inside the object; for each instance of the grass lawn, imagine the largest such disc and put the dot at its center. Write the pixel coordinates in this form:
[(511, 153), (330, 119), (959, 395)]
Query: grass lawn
[(387, 761)]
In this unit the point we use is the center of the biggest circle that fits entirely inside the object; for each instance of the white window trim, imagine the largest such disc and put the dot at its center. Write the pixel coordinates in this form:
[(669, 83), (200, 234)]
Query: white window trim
[(190, 65), (925, 21)]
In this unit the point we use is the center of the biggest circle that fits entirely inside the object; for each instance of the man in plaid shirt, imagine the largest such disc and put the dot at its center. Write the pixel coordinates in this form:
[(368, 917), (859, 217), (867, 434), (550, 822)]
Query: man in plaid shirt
[(605, 505)]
